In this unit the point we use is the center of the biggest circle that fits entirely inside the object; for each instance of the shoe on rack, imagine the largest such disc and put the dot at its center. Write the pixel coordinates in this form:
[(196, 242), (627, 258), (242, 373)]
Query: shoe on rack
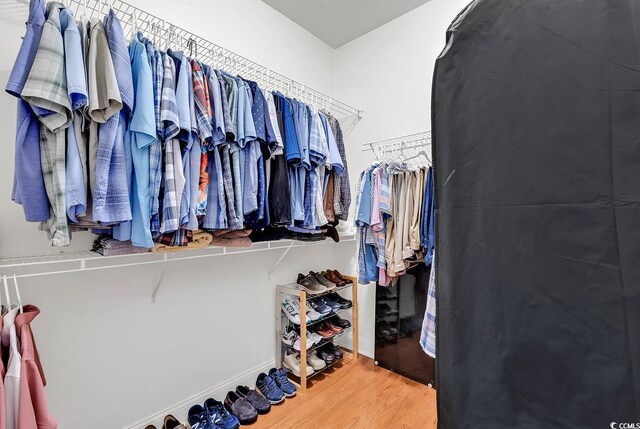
[(310, 285), (315, 338), (343, 278), (219, 415), (325, 355), (291, 338), (322, 280), (259, 402), (171, 422), (198, 418), (384, 310), (330, 303), (291, 361), (324, 331), (315, 361), (241, 408), (317, 305), (291, 307), (339, 321), (344, 303), (312, 315), (280, 376), (331, 275), (334, 328), (337, 351), (269, 389)]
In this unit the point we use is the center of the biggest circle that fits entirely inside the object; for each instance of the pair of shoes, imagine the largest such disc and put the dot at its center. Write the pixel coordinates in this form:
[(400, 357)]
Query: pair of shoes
[(310, 284), (170, 422), (240, 407), (384, 310), (213, 415), (275, 386), (291, 338), (322, 278), (327, 329), (342, 280), (323, 305), (291, 307), (259, 402), (329, 353), (291, 361), (338, 321), (316, 362), (343, 302)]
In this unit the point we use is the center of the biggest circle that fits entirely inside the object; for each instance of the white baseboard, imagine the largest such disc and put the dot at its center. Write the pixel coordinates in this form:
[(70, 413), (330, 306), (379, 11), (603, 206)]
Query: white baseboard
[(218, 391), (365, 346)]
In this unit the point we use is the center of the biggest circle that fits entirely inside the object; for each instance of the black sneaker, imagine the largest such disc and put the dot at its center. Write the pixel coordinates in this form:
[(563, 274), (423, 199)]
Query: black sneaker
[(344, 303), (241, 408), (259, 402), (339, 321), (337, 352), (326, 355)]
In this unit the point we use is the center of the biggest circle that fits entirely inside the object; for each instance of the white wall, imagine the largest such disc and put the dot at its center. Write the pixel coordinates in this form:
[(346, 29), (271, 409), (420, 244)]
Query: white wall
[(112, 358), (387, 73)]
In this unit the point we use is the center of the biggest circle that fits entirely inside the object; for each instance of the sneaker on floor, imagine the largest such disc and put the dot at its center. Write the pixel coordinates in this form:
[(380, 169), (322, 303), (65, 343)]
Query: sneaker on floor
[(259, 402), (310, 285), (291, 338), (344, 303), (322, 280), (198, 418), (171, 422), (291, 361), (291, 307), (219, 415), (318, 306), (339, 321), (151, 427), (269, 389), (315, 361), (280, 376), (241, 408)]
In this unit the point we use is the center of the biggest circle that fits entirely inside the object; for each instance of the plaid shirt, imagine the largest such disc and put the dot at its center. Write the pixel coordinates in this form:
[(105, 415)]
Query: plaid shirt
[(343, 198), (169, 115), (428, 335), (233, 220), (46, 88), (155, 150)]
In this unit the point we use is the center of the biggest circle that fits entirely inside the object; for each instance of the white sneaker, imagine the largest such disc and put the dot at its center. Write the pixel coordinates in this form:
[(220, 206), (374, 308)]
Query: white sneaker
[(291, 307), (315, 338), (312, 314), (315, 361), (291, 361), (291, 338)]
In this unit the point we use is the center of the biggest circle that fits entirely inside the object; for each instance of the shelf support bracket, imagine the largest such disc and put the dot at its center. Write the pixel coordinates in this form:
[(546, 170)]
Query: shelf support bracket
[(284, 254), (159, 282)]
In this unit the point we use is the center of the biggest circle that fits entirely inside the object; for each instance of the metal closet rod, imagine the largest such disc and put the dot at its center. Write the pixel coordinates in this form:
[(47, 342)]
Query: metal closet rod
[(410, 141), (164, 33)]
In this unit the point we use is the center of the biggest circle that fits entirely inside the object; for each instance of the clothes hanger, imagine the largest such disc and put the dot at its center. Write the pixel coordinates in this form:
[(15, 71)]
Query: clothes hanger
[(17, 289), (6, 292)]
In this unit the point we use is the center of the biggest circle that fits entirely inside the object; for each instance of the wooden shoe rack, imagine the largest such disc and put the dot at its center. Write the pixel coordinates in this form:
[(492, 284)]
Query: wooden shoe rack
[(282, 321)]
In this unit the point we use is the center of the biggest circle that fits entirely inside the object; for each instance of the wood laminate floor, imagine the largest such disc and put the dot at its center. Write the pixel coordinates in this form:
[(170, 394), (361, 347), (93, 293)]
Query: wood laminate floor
[(356, 394)]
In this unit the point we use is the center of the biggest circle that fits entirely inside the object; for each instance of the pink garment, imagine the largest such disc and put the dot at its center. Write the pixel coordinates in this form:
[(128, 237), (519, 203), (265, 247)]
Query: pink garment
[(3, 417), (33, 408)]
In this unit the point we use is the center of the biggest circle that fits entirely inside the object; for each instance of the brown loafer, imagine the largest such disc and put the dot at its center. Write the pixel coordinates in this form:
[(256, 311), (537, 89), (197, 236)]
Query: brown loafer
[(341, 277), (333, 327), (333, 278)]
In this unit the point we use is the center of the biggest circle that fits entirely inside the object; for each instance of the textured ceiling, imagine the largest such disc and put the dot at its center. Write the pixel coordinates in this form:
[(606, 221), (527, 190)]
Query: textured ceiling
[(337, 22)]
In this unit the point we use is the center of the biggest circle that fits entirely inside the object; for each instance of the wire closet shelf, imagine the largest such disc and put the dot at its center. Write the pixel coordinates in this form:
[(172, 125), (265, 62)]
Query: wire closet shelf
[(400, 145), (164, 33)]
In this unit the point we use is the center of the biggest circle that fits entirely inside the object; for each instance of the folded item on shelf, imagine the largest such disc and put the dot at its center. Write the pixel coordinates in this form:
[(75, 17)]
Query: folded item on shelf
[(238, 238), (107, 246), (201, 240)]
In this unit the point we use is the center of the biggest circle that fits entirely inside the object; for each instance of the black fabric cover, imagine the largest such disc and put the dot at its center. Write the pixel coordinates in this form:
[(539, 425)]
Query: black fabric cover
[(536, 126)]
